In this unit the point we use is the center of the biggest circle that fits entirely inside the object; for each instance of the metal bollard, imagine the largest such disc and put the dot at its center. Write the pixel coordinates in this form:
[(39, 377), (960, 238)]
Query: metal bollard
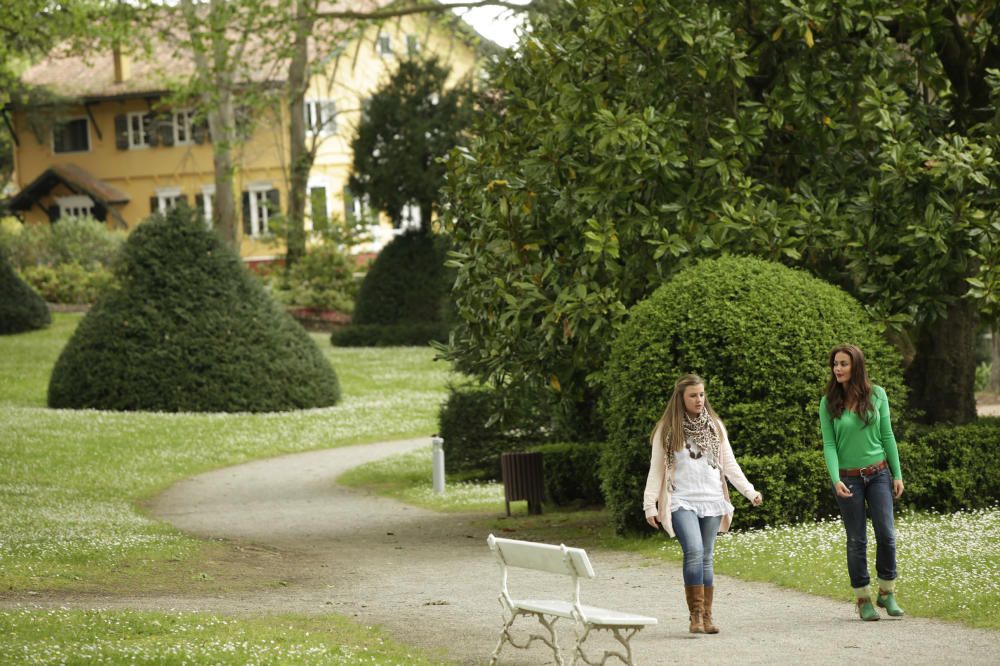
[(437, 464)]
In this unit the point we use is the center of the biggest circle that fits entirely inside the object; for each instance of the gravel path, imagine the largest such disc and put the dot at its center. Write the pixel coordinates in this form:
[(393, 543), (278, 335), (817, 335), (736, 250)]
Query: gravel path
[(429, 580)]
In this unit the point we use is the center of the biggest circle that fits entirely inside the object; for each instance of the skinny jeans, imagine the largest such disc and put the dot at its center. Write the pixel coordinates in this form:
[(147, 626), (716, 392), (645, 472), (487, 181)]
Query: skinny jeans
[(697, 538), (872, 496)]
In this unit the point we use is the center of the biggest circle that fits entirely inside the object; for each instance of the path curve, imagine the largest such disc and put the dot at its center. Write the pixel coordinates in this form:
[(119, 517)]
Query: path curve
[(429, 580)]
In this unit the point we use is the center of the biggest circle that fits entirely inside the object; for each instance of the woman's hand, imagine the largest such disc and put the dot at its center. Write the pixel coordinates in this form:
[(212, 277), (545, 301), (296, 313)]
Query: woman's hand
[(653, 522), (757, 499), (842, 490), (897, 488)]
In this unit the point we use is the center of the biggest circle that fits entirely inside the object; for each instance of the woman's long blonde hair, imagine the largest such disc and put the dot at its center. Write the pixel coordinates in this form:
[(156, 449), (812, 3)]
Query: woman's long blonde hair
[(671, 424)]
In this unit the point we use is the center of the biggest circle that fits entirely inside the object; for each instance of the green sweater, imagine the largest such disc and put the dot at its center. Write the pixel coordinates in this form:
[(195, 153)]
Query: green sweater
[(849, 443)]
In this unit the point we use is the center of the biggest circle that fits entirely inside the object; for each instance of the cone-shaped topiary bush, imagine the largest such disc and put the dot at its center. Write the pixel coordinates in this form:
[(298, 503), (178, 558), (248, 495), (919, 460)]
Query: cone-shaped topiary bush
[(187, 328), (404, 296), (21, 308), (760, 334)]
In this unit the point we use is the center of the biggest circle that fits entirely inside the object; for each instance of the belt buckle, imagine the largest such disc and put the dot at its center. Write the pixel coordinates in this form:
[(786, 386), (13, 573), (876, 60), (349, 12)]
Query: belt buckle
[(871, 469)]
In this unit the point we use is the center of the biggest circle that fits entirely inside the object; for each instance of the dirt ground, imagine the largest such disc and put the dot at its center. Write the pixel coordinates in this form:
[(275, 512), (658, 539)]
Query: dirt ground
[(295, 541)]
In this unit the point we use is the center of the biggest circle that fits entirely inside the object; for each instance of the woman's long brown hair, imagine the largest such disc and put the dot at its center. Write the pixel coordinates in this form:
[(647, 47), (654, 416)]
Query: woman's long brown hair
[(859, 389), (671, 424)]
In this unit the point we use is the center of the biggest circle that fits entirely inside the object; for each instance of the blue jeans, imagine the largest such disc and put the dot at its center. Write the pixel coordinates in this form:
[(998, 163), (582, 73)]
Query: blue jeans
[(697, 538), (875, 492)]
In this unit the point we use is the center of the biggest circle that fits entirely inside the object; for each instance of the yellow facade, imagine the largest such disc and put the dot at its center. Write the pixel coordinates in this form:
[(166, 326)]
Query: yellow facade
[(152, 177)]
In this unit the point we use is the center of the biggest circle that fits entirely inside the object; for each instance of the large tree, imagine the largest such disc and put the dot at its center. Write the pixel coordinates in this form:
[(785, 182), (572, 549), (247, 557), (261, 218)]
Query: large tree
[(852, 138), (409, 124)]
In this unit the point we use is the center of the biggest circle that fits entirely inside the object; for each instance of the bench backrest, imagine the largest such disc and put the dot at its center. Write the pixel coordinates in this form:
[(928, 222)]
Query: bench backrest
[(542, 557)]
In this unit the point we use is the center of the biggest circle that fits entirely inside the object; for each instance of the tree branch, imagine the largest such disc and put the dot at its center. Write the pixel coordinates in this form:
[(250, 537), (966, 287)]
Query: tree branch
[(422, 9)]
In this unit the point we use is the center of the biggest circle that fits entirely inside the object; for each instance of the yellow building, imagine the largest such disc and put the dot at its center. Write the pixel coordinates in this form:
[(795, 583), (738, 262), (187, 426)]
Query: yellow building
[(113, 147)]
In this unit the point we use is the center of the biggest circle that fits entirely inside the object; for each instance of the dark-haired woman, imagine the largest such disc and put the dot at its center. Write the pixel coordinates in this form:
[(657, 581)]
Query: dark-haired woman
[(686, 492), (863, 462)]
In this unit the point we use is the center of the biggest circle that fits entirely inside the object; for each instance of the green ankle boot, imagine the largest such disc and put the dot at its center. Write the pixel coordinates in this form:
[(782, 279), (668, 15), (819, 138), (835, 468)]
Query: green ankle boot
[(866, 611), (887, 600)]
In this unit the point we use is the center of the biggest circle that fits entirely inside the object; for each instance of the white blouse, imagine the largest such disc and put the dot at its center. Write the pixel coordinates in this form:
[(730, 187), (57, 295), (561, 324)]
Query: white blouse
[(697, 486)]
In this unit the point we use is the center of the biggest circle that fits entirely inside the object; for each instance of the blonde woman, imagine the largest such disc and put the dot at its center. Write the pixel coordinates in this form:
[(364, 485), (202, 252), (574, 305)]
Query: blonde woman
[(686, 492)]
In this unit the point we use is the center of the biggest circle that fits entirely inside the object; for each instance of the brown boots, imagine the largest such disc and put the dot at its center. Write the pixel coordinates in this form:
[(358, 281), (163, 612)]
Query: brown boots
[(699, 600), (710, 627), (696, 607)]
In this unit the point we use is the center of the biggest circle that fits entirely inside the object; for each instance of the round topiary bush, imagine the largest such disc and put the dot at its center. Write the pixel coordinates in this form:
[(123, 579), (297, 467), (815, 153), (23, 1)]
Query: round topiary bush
[(406, 284), (760, 334), (21, 308), (187, 328)]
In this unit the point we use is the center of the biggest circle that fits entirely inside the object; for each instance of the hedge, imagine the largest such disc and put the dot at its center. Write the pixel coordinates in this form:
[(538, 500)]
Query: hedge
[(571, 472), (477, 427), (21, 308), (380, 335), (760, 334), (186, 327)]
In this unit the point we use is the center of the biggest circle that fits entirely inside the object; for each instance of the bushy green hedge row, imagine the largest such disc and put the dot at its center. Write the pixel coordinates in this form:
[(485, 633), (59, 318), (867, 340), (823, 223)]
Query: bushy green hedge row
[(389, 335), (323, 279), (571, 472), (68, 283), (187, 328), (475, 425), (80, 240), (21, 308), (760, 334), (952, 467)]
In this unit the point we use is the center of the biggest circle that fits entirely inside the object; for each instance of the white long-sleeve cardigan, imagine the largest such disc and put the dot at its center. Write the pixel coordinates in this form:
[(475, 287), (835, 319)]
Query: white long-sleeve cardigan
[(656, 498)]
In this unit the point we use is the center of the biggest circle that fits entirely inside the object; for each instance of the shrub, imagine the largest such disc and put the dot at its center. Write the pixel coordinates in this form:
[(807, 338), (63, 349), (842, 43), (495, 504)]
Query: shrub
[(796, 488), (411, 334), (323, 279), (21, 308), (187, 328), (760, 334), (406, 283), (68, 283), (477, 426), (571, 472), (952, 467), (81, 240)]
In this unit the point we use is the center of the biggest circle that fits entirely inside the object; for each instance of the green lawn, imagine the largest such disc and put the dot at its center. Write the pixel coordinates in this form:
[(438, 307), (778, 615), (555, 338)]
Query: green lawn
[(73, 482)]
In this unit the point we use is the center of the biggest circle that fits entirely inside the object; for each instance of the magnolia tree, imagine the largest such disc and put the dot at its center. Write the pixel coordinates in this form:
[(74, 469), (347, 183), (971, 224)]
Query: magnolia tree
[(854, 139)]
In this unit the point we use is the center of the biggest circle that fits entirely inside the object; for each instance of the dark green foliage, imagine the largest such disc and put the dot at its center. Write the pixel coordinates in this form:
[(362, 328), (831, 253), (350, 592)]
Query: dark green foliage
[(378, 335), (21, 308), (187, 328), (405, 283), (952, 467), (795, 486), (408, 125), (760, 335), (477, 427), (571, 472), (323, 279)]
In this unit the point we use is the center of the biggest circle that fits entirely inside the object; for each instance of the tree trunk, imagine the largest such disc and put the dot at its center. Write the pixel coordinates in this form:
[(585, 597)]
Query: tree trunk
[(943, 374), (221, 122), (995, 367), (426, 210), (300, 156)]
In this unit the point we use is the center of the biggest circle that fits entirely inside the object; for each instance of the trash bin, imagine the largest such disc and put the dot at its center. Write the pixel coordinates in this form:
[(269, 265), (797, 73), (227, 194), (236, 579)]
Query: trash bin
[(522, 479)]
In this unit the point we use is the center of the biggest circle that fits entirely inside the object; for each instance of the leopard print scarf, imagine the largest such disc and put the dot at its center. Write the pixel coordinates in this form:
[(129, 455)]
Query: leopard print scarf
[(701, 438)]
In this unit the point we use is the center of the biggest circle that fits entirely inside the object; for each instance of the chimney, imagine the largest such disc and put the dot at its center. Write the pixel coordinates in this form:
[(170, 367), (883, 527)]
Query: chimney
[(123, 65)]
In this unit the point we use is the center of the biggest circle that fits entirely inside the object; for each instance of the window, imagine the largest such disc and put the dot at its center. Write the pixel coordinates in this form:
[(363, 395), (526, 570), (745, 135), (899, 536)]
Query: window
[(412, 45), (384, 45), (205, 202), (77, 205), (321, 116), (139, 127), (183, 127), (167, 198), (260, 204), (410, 217), (72, 136)]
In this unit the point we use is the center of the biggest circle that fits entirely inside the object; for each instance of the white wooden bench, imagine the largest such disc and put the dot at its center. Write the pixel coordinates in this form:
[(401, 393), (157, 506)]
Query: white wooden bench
[(572, 562)]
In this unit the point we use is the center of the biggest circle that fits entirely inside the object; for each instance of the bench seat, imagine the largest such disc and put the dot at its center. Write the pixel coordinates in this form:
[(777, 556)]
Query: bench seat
[(572, 562)]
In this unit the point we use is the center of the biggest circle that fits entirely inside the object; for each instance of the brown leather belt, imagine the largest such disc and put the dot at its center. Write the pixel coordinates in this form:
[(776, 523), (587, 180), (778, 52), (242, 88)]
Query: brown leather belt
[(864, 471)]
